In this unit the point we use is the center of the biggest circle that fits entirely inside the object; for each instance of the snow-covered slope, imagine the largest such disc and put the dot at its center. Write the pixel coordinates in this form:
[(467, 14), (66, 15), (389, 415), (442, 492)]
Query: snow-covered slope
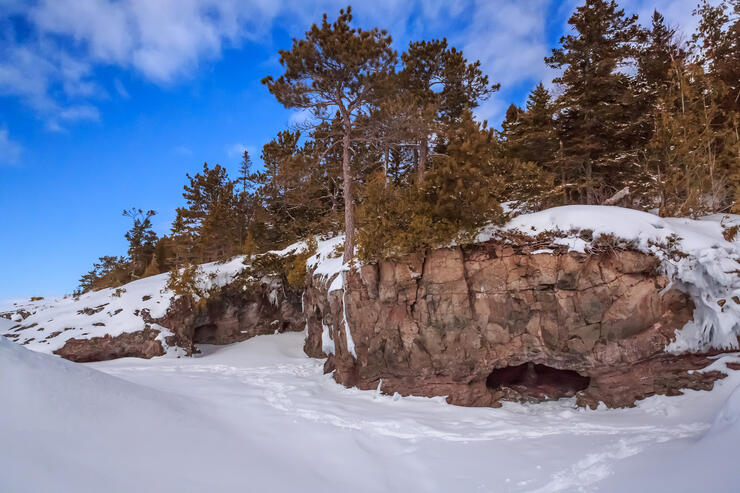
[(46, 324), (261, 416)]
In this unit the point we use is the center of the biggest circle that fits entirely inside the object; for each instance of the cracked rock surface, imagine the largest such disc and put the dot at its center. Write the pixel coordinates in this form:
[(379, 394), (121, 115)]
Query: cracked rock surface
[(444, 322)]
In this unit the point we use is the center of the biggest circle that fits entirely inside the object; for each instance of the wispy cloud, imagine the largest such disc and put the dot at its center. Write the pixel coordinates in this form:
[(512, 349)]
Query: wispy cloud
[(182, 150), (236, 150), (10, 151), (121, 89), (53, 68)]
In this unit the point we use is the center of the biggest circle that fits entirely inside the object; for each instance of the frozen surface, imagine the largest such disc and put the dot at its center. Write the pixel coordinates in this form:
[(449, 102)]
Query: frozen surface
[(260, 416)]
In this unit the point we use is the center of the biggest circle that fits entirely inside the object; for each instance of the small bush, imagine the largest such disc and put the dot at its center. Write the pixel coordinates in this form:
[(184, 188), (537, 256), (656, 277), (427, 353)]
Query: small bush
[(729, 232), (184, 282)]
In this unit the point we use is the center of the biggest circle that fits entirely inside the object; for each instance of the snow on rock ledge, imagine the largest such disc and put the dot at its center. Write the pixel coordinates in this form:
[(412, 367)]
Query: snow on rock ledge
[(695, 256), (577, 300), (144, 319)]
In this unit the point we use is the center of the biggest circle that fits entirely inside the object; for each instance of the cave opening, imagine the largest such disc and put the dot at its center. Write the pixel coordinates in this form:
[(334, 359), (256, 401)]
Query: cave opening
[(534, 380), (206, 334)]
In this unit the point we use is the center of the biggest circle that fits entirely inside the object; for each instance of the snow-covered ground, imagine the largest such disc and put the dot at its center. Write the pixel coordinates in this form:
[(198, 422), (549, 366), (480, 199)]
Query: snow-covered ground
[(260, 416), (45, 324)]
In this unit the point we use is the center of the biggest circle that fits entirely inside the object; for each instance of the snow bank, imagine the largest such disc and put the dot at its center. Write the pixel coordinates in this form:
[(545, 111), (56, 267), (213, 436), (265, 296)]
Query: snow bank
[(45, 325), (694, 254), (68, 427)]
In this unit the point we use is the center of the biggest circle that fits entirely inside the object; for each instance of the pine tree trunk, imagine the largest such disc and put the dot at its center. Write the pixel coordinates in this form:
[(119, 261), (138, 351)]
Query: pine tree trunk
[(349, 212), (422, 161), (385, 163)]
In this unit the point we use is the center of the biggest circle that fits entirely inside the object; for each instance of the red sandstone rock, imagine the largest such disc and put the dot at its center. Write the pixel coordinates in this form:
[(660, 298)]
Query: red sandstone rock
[(441, 324), (233, 314), (140, 344)]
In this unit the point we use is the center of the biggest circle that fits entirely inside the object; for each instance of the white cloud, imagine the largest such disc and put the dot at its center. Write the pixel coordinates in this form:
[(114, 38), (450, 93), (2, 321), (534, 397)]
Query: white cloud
[(10, 151), (509, 39), (236, 150), (80, 112), (162, 39), (166, 41), (678, 13), (121, 89), (183, 150)]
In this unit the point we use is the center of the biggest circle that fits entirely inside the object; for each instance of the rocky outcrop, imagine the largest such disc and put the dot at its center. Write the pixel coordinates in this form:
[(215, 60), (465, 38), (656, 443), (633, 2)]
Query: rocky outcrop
[(237, 312), (500, 322), (231, 313), (140, 344)]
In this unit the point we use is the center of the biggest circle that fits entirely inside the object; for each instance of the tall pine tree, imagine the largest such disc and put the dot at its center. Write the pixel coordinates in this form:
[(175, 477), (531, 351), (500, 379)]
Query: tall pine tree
[(597, 124), (336, 69)]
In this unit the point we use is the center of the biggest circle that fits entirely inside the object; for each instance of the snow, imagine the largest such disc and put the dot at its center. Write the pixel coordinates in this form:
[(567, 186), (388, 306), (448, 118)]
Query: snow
[(50, 322), (327, 343), (261, 416), (694, 253), (347, 331), (327, 262)]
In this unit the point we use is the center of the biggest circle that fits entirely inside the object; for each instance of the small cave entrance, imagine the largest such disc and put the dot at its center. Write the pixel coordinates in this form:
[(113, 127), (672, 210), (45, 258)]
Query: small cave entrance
[(206, 334), (536, 381)]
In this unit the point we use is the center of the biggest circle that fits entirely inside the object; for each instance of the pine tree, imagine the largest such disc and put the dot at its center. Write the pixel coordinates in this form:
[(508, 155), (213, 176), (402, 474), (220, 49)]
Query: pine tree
[(530, 135), (437, 84), (336, 69), (207, 228), (685, 155), (717, 41), (660, 52), (597, 109), (141, 239)]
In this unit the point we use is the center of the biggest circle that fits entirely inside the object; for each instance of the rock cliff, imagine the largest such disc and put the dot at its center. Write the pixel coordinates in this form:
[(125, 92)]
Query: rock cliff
[(232, 313), (497, 322), (237, 312)]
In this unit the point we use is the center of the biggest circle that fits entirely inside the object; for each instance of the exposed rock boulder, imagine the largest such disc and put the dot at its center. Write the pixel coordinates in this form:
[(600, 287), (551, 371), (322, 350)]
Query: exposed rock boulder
[(236, 312), (139, 344), (496, 322)]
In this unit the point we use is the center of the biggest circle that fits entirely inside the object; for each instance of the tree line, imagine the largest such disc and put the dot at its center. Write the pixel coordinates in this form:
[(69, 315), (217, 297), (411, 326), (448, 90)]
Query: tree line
[(391, 153)]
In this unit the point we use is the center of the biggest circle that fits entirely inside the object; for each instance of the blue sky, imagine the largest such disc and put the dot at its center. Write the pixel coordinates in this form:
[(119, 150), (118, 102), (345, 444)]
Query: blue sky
[(106, 104)]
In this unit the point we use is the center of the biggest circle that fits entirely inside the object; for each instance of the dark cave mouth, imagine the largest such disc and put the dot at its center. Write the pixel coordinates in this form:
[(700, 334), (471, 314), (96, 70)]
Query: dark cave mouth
[(534, 380), (206, 334)]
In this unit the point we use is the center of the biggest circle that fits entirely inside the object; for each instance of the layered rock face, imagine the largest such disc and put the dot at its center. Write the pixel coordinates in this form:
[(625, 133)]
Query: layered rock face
[(236, 313), (495, 322), (139, 344)]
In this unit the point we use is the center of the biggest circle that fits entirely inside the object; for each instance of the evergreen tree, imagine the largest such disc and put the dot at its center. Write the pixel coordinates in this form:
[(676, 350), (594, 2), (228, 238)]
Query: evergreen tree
[(437, 84), (717, 41), (597, 124), (685, 156), (530, 135), (207, 228), (108, 272), (141, 239), (661, 52), (336, 69)]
